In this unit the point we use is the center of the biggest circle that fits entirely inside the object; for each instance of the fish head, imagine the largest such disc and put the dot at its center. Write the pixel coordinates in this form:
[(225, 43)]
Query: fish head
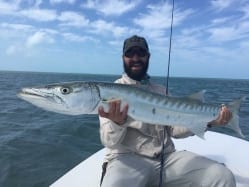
[(67, 98)]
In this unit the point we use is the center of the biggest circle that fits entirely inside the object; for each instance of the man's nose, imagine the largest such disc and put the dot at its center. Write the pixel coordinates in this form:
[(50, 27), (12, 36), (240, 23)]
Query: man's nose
[(135, 57)]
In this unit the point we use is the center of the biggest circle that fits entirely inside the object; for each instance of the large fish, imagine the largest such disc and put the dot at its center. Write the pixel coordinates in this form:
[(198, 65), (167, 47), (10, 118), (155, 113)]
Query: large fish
[(75, 98)]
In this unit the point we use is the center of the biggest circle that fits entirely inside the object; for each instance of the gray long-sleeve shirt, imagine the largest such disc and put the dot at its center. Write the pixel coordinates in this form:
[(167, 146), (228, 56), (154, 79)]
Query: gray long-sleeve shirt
[(136, 136)]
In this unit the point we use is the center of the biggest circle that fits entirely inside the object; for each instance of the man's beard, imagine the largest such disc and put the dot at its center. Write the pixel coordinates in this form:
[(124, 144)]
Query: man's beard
[(138, 76)]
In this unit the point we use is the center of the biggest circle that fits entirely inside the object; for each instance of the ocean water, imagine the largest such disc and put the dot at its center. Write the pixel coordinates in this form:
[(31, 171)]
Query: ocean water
[(37, 147)]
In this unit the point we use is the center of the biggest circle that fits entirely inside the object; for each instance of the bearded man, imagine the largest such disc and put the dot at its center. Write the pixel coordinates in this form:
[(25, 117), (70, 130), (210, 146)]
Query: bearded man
[(134, 148)]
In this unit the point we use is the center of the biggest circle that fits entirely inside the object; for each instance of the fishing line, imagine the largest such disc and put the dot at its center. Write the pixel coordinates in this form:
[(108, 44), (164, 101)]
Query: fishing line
[(167, 92)]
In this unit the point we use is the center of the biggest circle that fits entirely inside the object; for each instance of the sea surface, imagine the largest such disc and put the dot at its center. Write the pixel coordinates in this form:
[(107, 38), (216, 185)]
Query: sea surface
[(37, 147)]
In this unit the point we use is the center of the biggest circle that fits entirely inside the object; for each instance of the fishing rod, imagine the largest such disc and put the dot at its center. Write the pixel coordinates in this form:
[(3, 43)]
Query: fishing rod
[(170, 40), (167, 92)]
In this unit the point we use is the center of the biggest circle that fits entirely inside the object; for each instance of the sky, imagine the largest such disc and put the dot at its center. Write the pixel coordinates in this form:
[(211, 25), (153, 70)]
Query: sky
[(210, 37)]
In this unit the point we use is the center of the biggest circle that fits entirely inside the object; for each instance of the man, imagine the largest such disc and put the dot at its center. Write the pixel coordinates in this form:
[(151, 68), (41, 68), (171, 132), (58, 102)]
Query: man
[(134, 147)]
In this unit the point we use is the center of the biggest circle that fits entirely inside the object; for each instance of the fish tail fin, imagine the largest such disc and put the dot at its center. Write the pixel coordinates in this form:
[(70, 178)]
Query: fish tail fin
[(234, 107)]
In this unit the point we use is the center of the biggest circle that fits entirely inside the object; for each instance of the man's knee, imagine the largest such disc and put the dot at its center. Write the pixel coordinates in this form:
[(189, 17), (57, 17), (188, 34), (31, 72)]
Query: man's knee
[(222, 176), (228, 178)]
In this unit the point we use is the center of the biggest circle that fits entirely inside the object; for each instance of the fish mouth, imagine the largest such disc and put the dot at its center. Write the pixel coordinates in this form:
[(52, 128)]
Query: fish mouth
[(32, 94), (27, 92)]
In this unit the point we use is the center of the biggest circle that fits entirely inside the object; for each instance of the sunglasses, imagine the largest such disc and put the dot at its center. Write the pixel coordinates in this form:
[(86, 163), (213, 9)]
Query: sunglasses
[(139, 52)]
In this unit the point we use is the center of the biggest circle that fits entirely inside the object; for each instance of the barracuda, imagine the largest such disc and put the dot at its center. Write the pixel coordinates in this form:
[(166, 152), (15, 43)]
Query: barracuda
[(76, 98)]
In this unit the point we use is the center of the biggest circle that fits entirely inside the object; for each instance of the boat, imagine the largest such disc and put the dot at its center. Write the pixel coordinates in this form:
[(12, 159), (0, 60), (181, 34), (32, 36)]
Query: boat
[(226, 149)]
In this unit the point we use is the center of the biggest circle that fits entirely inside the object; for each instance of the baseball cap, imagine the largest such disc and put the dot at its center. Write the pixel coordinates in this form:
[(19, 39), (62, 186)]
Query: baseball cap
[(135, 41)]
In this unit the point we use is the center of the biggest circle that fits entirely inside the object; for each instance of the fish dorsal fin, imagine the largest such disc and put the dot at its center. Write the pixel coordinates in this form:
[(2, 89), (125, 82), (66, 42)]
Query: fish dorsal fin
[(199, 96)]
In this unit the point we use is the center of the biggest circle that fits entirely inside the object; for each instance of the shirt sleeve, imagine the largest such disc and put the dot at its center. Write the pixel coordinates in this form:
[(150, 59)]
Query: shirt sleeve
[(112, 134)]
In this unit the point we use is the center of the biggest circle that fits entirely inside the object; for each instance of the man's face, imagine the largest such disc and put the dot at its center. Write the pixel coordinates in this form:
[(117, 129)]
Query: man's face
[(136, 63)]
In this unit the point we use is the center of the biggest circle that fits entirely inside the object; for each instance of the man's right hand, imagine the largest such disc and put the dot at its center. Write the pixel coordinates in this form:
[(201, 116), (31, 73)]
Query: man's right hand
[(115, 114)]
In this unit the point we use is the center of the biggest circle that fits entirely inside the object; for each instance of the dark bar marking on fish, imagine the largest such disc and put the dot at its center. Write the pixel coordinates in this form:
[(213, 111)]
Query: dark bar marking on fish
[(153, 111)]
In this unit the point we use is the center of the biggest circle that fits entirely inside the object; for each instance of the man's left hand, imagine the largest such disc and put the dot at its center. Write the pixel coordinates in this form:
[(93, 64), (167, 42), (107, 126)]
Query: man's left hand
[(224, 117)]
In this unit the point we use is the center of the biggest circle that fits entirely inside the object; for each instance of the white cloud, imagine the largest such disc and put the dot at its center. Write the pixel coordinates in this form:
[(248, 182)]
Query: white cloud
[(10, 32), (38, 38), (76, 38), (34, 12), (14, 26), (222, 34), (245, 10), (220, 20), (62, 1), (91, 4), (103, 27), (221, 4), (37, 3), (158, 19), (16, 49), (70, 18), (8, 8), (244, 27), (39, 14), (154, 19), (49, 31), (111, 7), (235, 32)]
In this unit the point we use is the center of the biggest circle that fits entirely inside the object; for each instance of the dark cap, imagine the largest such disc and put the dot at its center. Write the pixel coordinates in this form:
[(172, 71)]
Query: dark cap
[(135, 41)]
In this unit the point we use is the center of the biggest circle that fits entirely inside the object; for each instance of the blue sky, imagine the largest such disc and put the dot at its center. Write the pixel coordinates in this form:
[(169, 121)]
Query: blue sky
[(210, 37)]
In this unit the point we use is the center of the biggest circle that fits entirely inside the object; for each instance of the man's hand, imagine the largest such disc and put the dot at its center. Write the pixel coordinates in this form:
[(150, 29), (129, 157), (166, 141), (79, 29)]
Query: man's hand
[(115, 114), (224, 117)]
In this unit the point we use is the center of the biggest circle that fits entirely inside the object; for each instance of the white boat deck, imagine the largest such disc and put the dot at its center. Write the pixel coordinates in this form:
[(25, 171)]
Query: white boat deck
[(231, 151)]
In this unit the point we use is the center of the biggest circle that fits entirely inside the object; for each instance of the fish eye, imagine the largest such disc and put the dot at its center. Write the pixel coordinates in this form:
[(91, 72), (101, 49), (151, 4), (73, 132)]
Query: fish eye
[(65, 90)]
